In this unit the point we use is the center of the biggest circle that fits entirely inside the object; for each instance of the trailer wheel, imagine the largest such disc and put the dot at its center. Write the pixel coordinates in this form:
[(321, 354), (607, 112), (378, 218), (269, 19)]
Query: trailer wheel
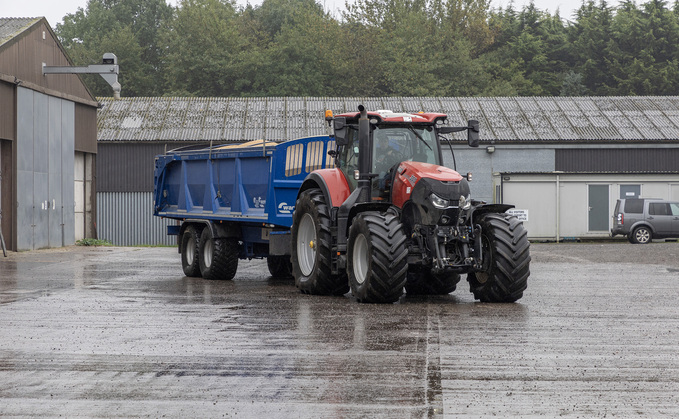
[(189, 252), (377, 258), (218, 257), (423, 282), (279, 266), (311, 247), (506, 260)]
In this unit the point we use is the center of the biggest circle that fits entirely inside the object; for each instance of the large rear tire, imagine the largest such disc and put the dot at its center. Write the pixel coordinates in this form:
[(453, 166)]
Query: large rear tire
[(506, 260), (279, 266), (423, 282), (189, 251), (311, 247), (218, 257), (377, 258)]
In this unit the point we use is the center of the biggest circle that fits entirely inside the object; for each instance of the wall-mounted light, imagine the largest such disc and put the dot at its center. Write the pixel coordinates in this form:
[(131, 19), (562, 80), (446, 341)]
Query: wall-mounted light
[(490, 149)]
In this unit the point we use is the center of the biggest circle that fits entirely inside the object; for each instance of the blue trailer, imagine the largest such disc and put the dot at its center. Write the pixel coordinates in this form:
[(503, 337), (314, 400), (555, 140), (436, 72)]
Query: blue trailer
[(235, 201)]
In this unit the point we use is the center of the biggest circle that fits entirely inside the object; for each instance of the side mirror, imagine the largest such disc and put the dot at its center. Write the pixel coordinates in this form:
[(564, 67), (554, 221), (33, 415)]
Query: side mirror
[(473, 133), (339, 124)]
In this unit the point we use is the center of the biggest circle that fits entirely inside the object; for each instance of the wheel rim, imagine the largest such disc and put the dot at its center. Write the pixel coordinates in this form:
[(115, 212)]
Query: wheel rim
[(643, 235), (360, 258), (306, 244), (190, 250), (207, 253)]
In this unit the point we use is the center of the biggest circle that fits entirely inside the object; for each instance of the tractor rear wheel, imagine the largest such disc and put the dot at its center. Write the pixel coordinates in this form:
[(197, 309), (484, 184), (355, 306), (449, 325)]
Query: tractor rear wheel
[(218, 257), (506, 260), (377, 258), (189, 251), (423, 282), (311, 247), (279, 266)]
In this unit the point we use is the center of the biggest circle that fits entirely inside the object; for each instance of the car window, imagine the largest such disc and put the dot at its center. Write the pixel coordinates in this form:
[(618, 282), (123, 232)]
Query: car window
[(657, 208), (675, 209), (634, 206)]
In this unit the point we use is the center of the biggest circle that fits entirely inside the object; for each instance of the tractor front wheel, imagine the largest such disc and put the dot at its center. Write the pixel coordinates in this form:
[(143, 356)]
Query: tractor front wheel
[(377, 258), (506, 259)]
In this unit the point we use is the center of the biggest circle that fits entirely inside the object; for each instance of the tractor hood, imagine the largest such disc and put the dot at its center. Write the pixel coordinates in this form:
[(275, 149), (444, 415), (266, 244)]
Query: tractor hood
[(440, 180)]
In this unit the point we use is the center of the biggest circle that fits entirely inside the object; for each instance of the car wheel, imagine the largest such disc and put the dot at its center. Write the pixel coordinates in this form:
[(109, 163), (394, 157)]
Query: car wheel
[(642, 235)]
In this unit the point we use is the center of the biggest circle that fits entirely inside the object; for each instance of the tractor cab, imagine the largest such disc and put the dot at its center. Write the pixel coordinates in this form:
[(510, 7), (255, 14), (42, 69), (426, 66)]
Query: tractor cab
[(393, 138)]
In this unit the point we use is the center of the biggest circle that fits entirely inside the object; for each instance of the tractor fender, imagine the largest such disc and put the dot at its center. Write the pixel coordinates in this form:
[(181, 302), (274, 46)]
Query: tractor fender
[(331, 182), (482, 209)]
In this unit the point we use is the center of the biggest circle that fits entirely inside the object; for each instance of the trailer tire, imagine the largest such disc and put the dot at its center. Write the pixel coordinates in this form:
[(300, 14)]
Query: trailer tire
[(311, 247), (189, 251), (279, 266), (506, 260), (423, 282), (218, 257), (377, 258)]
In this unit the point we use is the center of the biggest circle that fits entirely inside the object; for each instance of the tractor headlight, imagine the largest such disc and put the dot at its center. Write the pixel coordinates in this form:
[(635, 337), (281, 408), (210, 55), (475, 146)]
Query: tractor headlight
[(465, 202), (439, 202)]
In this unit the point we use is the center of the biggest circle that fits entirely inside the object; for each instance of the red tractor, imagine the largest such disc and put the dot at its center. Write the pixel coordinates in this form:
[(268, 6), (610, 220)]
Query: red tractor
[(390, 216)]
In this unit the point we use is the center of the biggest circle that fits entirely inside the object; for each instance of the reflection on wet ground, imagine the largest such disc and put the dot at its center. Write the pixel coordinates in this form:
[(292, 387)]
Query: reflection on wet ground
[(119, 332)]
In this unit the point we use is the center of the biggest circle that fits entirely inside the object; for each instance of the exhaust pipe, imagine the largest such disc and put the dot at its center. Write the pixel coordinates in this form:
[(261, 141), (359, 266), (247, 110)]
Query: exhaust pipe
[(364, 155)]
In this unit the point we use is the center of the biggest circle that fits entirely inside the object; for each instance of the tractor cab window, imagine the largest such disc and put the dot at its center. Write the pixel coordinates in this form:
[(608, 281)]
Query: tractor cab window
[(348, 157), (394, 144)]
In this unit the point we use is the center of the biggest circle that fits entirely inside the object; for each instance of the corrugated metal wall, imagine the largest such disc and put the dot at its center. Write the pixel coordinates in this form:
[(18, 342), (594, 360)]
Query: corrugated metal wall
[(646, 160), (128, 167), (126, 219)]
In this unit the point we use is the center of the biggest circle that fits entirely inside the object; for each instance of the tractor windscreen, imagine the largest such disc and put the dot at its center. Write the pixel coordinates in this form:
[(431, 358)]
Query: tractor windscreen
[(394, 144)]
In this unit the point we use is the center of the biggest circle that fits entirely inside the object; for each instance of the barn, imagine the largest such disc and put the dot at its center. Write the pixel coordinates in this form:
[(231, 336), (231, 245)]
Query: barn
[(562, 161), (48, 141)]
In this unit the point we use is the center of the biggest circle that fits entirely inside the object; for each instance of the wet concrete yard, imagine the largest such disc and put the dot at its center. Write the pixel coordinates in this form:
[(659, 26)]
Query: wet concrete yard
[(120, 332)]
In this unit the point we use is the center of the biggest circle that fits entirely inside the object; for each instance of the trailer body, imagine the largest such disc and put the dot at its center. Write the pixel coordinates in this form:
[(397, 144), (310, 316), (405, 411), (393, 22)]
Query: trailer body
[(245, 191)]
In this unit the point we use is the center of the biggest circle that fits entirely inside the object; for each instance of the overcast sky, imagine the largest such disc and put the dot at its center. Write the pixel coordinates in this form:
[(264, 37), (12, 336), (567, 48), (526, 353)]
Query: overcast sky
[(55, 10)]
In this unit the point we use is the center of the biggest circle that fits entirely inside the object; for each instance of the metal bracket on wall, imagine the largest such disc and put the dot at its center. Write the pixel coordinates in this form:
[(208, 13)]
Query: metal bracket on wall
[(108, 69)]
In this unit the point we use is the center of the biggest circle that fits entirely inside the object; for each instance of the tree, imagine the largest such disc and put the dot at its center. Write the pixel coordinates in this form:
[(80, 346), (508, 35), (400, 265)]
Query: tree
[(129, 29), (202, 49), (643, 50)]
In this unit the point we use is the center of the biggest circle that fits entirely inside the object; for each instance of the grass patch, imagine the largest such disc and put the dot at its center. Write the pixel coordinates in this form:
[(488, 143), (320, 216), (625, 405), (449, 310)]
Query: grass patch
[(93, 242)]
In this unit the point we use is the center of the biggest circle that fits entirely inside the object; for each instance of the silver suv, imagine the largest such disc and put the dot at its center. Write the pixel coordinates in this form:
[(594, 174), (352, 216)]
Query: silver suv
[(642, 220)]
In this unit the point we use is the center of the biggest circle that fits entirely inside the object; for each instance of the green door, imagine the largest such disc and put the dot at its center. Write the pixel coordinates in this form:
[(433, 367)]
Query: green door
[(598, 208)]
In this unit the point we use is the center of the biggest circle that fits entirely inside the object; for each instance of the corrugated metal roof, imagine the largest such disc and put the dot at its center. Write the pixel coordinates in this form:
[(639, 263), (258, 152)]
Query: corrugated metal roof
[(502, 119), (10, 27)]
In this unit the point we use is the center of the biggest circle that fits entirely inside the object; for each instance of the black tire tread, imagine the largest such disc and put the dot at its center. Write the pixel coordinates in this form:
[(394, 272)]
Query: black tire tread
[(508, 277), (279, 266), (321, 281), (190, 268), (224, 257), (389, 266)]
